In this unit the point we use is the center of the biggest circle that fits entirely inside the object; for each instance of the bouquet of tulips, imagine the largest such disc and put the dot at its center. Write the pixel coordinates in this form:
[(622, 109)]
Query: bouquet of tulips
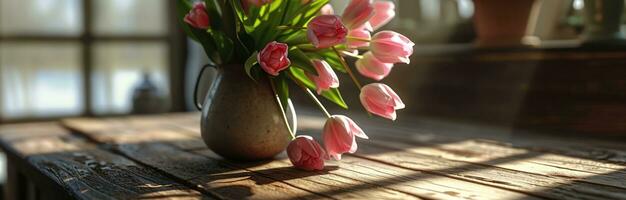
[(302, 41)]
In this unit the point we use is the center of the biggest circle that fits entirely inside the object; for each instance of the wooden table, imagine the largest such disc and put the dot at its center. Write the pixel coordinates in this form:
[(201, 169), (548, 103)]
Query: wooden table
[(164, 157)]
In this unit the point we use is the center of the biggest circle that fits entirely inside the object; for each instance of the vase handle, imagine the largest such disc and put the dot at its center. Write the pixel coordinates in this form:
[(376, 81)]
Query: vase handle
[(195, 89)]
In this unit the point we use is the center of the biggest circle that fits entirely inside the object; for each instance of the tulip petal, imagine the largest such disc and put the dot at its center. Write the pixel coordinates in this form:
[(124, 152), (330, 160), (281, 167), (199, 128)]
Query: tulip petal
[(384, 12)]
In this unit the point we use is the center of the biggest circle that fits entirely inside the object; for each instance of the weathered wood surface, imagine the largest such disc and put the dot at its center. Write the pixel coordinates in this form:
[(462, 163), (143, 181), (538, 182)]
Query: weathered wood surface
[(152, 142), (117, 157), (83, 170)]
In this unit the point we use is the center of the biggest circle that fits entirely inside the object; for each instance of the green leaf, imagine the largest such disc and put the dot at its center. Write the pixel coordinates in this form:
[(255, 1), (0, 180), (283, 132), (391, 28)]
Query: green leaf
[(335, 96), (301, 77), (251, 62), (208, 43), (224, 45), (282, 88), (300, 60), (308, 12), (295, 38), (238, 8), (215, 14), (332, 95), (330, 57)]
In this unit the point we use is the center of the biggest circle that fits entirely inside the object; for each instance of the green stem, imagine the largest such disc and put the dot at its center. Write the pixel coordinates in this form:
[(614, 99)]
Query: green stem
[(354, 79), (358, 39), (317, 102), (280, 106), (345, 66), (312, 96), (285, 27), (347, 53), (282, 20)]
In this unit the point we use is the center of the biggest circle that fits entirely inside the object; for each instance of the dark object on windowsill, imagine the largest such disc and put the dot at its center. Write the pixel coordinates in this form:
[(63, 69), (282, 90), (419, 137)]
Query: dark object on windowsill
[(602, 23), (502, 23), (147, 99)]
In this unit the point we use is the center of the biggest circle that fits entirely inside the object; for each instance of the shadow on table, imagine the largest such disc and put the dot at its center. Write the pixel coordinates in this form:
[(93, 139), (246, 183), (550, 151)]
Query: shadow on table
[(166, 164)]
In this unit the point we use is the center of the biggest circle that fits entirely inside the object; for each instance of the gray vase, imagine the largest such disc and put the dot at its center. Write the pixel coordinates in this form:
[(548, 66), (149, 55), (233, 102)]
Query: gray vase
[(602, 21), (241, 119)]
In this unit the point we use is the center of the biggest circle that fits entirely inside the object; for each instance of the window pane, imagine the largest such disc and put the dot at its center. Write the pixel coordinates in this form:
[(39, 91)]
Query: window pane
[(37, 17), (118, 70), (40, 80), (123, 17)]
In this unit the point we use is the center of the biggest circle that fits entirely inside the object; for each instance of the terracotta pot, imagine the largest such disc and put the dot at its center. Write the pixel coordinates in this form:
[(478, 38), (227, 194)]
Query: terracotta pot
[(501, 23), (602, 21), (241, 119)]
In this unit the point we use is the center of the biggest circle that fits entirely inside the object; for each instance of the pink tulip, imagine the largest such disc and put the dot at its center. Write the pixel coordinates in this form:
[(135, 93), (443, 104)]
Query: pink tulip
[(305, 153), (358, 13), (326, 31), (369, 66), (391, 47), (257, 3), (384, 12), (273, 58), (339, 136), (197, 16), (327, 10), (358, 38), (381, 100), (245, 4), (326, 77)]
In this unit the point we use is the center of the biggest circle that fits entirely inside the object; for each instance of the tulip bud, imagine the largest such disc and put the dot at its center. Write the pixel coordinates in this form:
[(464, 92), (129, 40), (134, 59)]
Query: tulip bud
[(305, 153), (369, 66), (273, 58), (326, 31), (326, 77), (391, 47), (339, 136), (381, 100), (197, 16), (357, 13)]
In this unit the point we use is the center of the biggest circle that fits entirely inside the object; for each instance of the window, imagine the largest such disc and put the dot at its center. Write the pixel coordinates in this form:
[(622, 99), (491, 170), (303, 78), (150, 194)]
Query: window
[(81, 57)]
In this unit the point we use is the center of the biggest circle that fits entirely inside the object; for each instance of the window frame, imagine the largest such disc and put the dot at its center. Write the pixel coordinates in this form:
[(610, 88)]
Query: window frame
[(173, 38)]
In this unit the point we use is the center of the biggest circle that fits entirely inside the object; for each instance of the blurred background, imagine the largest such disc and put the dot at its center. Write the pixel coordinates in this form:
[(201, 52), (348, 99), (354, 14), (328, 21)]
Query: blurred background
[(69, 58)]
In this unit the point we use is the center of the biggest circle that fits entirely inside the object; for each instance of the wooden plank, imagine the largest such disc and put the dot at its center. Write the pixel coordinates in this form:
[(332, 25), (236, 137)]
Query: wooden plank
[(406, 146), (82, 169), (212, 175), (590, 161), (530, 183), (549, 164), (368, 176), (335, 182), (422, 189), (124, 130), (435, 132), (543, 185), (156, 149), (324, 182)]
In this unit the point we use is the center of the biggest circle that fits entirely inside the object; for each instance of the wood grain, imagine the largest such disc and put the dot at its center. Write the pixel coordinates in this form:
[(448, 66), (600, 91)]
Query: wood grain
[(374, 176), (553, 187), (587, 161), (84, 170), (153, 144)]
